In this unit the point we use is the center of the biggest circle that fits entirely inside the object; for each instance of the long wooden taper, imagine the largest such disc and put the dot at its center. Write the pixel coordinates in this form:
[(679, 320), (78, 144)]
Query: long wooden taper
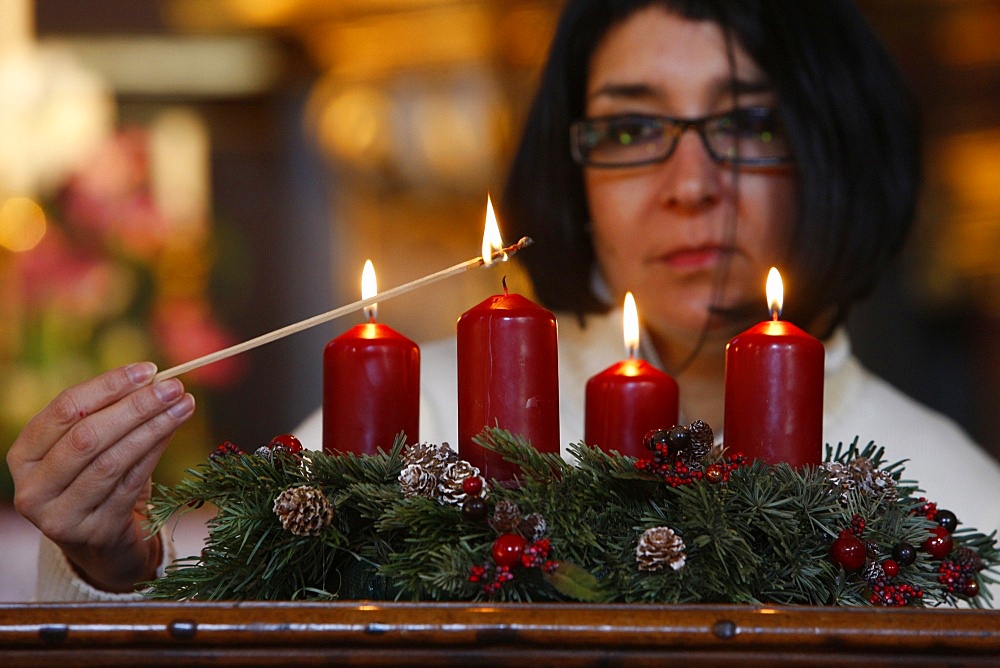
[(337, 312)]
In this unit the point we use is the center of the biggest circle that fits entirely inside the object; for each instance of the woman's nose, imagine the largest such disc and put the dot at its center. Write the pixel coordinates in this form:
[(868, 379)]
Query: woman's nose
[(691, 179)]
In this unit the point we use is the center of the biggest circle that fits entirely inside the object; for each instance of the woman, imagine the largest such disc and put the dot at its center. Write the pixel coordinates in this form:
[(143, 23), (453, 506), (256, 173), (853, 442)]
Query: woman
[(827, 197), (676, 149)]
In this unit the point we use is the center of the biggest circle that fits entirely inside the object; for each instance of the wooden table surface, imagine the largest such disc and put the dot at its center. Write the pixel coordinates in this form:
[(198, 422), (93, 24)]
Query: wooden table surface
[(378, 633)]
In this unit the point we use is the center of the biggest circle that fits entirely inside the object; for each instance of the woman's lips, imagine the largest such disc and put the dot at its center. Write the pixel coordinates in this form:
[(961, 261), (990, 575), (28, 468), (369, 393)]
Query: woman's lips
[(703, 257)]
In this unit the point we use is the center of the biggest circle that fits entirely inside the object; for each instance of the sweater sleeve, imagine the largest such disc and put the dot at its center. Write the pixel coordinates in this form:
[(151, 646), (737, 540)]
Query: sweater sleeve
[(59, 582)]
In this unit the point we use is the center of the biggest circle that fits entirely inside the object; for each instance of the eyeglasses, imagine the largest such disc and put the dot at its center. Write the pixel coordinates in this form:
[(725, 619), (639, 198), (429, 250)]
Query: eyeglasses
[(744, 136)]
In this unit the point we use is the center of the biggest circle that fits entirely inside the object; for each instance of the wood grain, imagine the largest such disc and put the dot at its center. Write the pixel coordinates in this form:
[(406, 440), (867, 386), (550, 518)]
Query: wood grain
[(379, 633)]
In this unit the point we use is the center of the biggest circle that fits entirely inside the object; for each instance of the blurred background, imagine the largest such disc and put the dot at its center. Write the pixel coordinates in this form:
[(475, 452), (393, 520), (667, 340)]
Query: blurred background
[(180, 175)]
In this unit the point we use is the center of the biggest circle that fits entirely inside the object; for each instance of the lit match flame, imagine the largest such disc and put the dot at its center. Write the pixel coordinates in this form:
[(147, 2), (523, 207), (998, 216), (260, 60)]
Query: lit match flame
[(630, 325), (775, 293), (369, 288), (492, 242)]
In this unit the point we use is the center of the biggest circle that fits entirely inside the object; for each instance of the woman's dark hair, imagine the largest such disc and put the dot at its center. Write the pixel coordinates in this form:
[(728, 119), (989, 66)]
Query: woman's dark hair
[(851, 123)]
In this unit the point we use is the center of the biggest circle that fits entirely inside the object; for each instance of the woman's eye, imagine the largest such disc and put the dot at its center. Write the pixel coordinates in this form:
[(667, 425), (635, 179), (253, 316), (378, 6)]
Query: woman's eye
[(752, 121), (626, 132)]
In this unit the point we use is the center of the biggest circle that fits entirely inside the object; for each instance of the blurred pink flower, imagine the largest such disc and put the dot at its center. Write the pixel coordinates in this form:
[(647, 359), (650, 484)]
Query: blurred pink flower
[(56, 276), (186, 330), (110, 196)]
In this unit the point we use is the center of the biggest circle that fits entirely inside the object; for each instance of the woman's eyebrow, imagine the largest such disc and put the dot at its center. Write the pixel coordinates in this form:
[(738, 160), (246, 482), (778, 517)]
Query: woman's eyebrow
[(719, 88), (623, 90)]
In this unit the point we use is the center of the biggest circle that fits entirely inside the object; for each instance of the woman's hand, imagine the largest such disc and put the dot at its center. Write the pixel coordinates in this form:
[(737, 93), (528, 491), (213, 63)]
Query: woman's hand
[(82, 470)]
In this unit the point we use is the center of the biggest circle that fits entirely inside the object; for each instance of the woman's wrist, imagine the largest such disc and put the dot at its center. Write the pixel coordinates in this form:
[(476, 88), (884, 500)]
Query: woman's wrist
[(117, 570)]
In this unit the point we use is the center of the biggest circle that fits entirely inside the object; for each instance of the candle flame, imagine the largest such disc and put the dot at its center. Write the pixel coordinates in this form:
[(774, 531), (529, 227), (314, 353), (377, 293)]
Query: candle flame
[(630, 325), (492, 242), (775, 293), (369, 288)]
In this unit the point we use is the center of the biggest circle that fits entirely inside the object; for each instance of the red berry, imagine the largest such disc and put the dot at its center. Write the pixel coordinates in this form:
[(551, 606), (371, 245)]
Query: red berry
[(848, 551), (507, 549), (971, 588), (288, 441), (473, 485), (928, 509), (939, 544), (714, 473), (890, 567), (227, 448)]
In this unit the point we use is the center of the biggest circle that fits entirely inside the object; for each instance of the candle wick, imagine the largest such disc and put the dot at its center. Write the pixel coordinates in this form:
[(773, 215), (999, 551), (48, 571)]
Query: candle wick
[(775, 314), (504, 282), (508, 252)]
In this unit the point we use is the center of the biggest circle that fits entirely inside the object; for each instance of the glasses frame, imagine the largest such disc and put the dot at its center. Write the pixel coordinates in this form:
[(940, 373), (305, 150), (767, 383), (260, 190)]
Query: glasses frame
[(674, 127)]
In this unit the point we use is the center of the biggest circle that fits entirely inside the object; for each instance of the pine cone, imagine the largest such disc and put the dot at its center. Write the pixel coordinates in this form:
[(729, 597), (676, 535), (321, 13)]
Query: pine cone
[(305, 511), (872, 481), (506, 517), (837, 479), (872, 549), (860, 475), (448, 454), (449, 486), (429, 456), (873, 572), (658, 548), (533, 527), (702, 441), (967, 557), (416, 480)]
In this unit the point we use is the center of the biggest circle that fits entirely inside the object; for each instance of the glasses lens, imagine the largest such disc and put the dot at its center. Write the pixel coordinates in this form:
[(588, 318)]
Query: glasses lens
[(752, 135), (621, 140)]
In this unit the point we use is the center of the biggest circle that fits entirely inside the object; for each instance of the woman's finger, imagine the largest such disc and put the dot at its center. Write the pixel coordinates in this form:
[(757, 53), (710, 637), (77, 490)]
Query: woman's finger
[(75, 404)]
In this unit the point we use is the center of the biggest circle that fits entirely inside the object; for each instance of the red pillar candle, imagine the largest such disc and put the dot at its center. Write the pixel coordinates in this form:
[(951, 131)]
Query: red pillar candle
[(508, 377), (371, 385), (774, 390), (508, 372), (629, 398)]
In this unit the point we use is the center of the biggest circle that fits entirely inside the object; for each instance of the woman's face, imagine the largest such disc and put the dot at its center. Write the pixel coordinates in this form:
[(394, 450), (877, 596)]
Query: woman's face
[(666, 231)]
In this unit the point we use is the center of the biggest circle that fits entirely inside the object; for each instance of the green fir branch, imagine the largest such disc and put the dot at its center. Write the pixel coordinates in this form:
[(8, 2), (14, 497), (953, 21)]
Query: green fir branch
[(762, 536)]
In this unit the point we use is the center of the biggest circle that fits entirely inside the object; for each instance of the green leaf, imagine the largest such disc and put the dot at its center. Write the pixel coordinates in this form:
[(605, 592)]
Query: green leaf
[(577, 583)]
